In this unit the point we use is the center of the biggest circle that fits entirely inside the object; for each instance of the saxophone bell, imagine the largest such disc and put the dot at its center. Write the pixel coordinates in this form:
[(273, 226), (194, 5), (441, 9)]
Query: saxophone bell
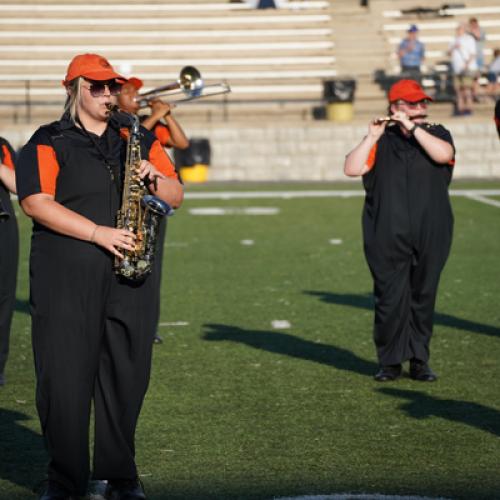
[(157, 205)]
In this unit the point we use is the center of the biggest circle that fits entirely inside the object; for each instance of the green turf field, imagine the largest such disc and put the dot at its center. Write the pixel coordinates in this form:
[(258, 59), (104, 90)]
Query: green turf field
[(238, 409)]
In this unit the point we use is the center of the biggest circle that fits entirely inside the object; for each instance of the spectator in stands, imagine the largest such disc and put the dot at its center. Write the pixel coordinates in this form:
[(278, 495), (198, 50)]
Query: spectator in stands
[(266, 4), (411, 52), (464, 66), (494, 74), (479, 36)]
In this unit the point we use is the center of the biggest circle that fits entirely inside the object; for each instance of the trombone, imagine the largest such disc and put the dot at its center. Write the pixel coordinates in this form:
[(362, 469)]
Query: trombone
[(190, 84)]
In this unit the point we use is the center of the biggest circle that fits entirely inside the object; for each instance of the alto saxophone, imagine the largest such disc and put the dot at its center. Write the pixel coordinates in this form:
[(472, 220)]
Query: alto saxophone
[(140, 213)]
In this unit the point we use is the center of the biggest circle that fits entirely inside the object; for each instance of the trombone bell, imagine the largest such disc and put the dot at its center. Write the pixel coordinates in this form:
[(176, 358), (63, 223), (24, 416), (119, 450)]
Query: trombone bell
[(190, 84)]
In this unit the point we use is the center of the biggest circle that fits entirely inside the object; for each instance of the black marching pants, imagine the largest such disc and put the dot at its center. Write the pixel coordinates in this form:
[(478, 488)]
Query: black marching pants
[(405, 289), (91, 341), (156, 273), (9, 241)]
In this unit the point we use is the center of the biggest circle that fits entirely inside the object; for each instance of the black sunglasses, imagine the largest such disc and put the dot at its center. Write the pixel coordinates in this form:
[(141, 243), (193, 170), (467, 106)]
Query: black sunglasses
[(97, 89)]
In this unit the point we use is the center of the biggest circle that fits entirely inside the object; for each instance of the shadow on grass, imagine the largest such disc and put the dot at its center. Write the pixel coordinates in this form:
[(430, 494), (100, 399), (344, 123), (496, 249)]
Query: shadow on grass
[(421, 405), (365, 301), (23, 456), (289, 345)]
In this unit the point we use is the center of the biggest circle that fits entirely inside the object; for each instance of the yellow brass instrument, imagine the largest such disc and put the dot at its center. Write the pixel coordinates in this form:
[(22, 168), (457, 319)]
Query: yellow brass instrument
[(140, 213), (190, 85), (379, 121)]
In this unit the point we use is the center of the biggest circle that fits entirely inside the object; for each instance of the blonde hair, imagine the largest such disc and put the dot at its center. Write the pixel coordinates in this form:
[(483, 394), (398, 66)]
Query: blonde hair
[(74, 95)]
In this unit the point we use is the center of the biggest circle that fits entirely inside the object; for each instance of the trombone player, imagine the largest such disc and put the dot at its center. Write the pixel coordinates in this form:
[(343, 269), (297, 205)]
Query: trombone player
[(160, 121), (170, 134)]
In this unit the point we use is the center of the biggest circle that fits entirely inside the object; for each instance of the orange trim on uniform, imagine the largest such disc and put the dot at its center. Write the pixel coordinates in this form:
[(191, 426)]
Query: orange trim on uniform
[(125, 133), (161, 161), (48, 168), (371, 156), (7, 158), (162, 133)]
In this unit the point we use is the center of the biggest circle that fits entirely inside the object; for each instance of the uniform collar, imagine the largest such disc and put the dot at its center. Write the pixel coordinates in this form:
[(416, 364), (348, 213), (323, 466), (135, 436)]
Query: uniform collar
[(66, 121)]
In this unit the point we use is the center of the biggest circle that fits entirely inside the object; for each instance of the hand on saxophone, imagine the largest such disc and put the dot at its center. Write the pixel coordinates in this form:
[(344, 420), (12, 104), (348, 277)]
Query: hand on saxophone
[(149, 174), (112, 239)]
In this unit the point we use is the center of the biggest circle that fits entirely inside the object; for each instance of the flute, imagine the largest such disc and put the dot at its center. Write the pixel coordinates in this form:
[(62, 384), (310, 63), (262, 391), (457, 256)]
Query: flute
[(382, 119)]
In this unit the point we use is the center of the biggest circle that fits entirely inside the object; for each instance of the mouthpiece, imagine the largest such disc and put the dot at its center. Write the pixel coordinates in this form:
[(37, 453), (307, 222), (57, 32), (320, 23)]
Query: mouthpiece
[(111, 107)]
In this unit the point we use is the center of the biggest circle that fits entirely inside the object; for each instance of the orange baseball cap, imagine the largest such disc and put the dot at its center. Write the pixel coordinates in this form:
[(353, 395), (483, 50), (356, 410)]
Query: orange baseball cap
[(91, 66), (137, 83), (407, 90)]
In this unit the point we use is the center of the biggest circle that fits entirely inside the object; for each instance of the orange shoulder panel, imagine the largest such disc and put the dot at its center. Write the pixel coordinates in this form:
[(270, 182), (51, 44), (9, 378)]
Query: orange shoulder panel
[(161, 161), (124, 133), (7, 158), (48, 168), (371, 157), (162, 133)]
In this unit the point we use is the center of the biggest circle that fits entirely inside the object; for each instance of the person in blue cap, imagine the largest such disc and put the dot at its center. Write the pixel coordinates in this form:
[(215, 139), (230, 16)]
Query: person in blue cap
[(411, 52)]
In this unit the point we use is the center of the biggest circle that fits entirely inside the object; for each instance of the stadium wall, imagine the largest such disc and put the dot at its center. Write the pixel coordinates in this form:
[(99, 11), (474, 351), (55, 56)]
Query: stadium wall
[(313, 151)]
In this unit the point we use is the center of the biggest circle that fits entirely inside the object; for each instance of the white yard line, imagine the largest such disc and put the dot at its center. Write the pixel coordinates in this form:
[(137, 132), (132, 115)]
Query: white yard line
[(483, 199), (248, 195), (234, 211)]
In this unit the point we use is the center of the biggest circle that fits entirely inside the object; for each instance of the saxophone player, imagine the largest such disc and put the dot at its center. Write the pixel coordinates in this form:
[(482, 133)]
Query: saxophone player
[(91, 336)]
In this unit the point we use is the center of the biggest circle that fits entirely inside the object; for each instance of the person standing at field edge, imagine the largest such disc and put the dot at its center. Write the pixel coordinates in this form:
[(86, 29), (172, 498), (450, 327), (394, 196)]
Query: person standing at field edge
[(10, 249), (406, 165)]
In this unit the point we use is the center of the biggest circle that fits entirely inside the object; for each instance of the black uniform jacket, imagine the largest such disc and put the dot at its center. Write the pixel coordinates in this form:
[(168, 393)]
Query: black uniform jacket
[(63, 160), (407, 200)]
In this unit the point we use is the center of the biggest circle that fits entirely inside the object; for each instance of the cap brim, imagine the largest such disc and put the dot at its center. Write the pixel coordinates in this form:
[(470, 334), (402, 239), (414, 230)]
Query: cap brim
[(417, 96), (104, 75)]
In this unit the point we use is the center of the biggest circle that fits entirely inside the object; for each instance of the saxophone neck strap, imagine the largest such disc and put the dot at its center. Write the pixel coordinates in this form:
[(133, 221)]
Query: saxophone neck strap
[(111, 164)]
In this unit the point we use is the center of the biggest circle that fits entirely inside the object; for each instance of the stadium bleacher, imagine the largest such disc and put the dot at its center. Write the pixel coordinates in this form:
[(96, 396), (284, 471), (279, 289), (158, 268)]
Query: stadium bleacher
[(275, 54), (276, 60)]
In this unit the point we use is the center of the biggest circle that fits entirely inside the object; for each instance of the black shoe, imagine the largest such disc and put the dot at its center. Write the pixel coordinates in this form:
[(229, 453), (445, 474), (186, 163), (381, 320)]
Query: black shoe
[(421, 371), (388, 373), (55, 491), (124, 489), (157, 339)]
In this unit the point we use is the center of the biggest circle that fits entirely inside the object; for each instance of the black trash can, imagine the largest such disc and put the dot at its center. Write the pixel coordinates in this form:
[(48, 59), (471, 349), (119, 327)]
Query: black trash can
[(193, 162), (339, 95)]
